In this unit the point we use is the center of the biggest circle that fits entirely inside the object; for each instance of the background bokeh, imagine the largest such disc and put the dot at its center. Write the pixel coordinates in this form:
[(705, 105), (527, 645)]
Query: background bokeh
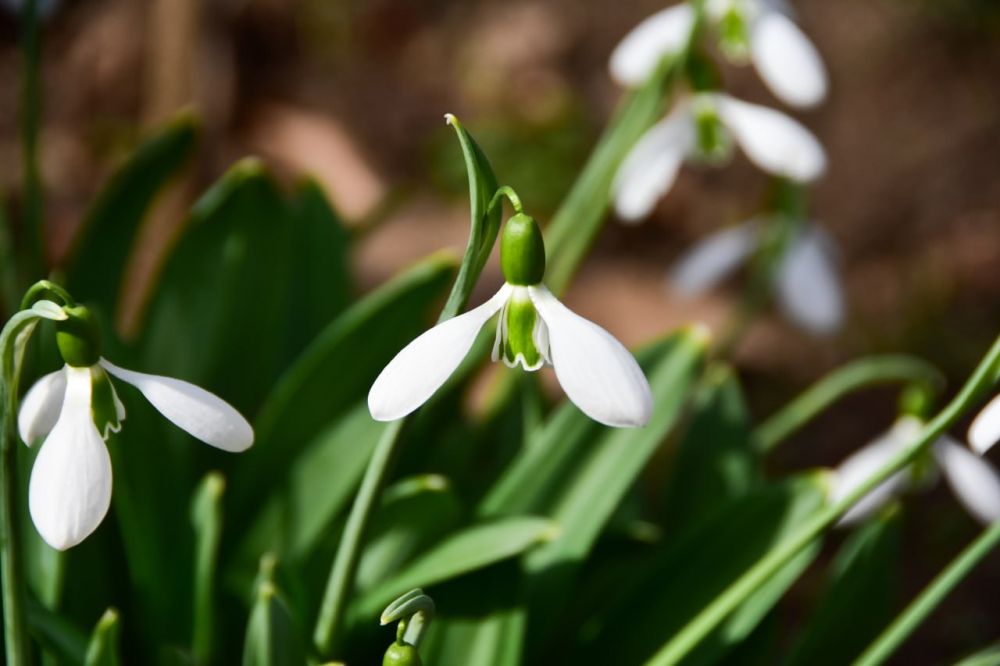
[(354, 92)]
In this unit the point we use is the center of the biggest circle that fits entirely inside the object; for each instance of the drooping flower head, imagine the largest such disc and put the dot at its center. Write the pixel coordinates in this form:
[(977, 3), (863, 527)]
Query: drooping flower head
[(759, 31), (534, 329), (76, 408)]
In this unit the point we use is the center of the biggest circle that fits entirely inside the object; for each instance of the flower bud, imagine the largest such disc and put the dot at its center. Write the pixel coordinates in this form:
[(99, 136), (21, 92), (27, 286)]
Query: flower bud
[(79, 337), (522, 251)]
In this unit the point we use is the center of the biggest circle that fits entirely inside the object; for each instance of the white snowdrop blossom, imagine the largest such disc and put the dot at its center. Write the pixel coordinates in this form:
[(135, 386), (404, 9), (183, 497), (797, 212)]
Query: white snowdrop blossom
[(704, 126), (595, 370), (75, 409), (985, 429), (807, 281), (975, 482), (759, 31)]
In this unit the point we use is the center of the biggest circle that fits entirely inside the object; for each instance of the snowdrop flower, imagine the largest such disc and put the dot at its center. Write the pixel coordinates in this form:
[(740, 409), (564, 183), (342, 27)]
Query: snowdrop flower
[(76, 408), (598, 374), (975, 482), (806, 282), (756, 30), (704, 127), (985, 429)]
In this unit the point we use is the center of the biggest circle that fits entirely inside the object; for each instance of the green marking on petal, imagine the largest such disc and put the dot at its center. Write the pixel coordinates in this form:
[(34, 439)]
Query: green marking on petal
[(734, 35), (714, 142), (104, 403), (518, 333)]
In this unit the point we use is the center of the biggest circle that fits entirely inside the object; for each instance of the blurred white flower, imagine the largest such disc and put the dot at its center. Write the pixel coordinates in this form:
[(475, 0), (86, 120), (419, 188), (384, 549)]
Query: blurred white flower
[(704, 126), (985, 429), (598, 374), (975, 482), (75, 409), (807, 281), (758, 30)]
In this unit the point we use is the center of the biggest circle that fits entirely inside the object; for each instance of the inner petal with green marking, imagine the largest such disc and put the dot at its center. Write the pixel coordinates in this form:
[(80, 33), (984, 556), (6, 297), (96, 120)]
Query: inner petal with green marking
[(713, 143), (522, 337)]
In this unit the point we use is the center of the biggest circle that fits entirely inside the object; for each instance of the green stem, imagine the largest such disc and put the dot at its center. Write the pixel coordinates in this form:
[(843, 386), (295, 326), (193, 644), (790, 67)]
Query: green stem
[(857, 374), (722, 606), (890, 639), (32, 247), (507, 191)]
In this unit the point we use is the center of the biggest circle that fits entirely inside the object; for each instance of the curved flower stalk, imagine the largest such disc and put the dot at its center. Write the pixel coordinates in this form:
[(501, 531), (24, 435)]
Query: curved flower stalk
[(704, 127), (807, 281), (975, 482), (598, 374), (758, 31), (76, 408), (984, 432)]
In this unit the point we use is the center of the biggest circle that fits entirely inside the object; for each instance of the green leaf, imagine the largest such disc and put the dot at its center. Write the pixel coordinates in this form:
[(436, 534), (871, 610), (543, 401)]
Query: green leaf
[(494, 639), (322, 480), (337, 370), (484, 224), (689, 574), (206, 517), (989, 656), (103, 647), (415, 513), (272, 638), (56, 634), (606, 470), (104, 244), (860, 594), (467, 550), (715, 462)]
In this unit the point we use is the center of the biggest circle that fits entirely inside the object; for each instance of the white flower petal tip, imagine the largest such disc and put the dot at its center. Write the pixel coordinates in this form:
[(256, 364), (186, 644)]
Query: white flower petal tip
[(787, 61), (641, 50), (713, 259), (772, 140), (649, 170), (41, 406), (808, 284), (598, 374), (984, 432), (198, 412), (424, 365), (974, 481), (70, 488), (860, 466)]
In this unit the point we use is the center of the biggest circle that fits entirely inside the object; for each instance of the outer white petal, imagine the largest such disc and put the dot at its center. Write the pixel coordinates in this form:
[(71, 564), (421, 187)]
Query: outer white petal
[(70, 488), (638, 54), (420, 369), (191, 408), (772, 140), (808, 283), (866, 461), (41, 406), (598, 374), (975, 482), (985, 429), (649, 170), (786, 60), (713, 259)]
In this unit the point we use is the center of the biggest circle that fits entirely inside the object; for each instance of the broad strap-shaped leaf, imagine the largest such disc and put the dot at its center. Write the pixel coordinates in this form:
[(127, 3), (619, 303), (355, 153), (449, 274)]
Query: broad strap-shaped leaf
[(101, 251)]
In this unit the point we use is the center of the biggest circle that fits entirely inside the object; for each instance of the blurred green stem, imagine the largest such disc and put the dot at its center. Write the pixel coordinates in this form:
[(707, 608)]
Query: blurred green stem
[(857, 374), (914, 614), (31, 253), (739, 591), (206, 515)]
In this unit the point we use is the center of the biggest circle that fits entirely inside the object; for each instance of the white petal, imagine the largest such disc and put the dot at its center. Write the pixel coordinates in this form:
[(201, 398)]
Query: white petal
[(637, 55), (420, 369), (40, 407), (787, 60), (866, 461), (49, 310), (191, 408), (713, 259), (598, 374), (772, 140), (70, 488), (650, 168), (975, 482), (808, 284), (985, 429)]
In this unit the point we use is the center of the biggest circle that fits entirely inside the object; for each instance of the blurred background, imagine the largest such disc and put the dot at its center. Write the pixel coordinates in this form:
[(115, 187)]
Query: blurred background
[(354, 92)]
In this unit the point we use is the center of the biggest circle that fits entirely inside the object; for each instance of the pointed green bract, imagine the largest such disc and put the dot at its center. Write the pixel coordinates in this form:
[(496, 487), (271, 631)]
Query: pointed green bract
[(103, 648)]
